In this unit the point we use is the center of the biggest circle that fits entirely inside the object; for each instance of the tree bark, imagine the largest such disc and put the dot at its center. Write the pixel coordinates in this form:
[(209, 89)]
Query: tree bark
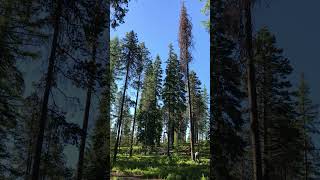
[(44, 106), (190, 117), (86, 116), (134, 116), (84, 135), (30, 148), (252, 97)]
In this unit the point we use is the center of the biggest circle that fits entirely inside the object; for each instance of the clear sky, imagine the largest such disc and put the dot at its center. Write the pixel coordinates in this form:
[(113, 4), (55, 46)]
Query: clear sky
[(157, 22)]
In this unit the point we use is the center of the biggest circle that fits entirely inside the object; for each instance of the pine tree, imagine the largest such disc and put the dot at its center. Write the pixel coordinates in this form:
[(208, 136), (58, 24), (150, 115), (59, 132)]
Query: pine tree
[(185, 43), (149, 115), (226, 121), (58, 134), (144, 58), (252, 94), (173, 94), (94, 26), (307, 115), (276, 110), (61, 13), (130, 55), (157, 109), (17, 31), (195, 89), (204, 114)]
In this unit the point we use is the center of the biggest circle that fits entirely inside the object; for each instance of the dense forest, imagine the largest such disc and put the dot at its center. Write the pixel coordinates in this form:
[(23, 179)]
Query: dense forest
[(66, 46), (261, 125), (64, 93), (157, 131), (69, 91)]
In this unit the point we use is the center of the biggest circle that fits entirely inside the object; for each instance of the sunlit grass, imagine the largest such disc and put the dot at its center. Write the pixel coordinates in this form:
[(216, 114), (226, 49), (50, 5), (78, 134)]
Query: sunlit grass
[(160, 166)]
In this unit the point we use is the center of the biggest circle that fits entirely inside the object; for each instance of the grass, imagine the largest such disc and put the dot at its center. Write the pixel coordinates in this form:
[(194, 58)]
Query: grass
[(161, 167)]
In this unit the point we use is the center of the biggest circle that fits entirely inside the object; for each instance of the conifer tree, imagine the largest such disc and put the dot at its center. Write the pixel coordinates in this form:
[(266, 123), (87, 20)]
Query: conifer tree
[(185, 43), (149, 115), (307, 112), (173, 94), (94, 27), (18, 30), (61, 13), (252, 94), (204, 114), (226, 121), (144, 58), (195, 89), (130, 55), (276, 110)]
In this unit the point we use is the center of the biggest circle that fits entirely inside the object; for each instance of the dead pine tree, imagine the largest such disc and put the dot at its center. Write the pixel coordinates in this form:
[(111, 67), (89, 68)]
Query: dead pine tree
[(185, 43)]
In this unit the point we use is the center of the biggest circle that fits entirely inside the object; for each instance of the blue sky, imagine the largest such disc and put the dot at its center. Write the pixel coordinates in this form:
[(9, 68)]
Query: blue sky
[(157, 22)]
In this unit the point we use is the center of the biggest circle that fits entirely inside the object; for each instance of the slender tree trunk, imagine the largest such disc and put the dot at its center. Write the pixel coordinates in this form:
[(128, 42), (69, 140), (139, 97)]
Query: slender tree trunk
[(121, 114), (86, 118), (213, 70), (47, 153), (44, 106), (84, 135), (30, 149), (190, 117), (172, 131), (134, 116), (305, 143), (119, 146), (252, 96), (169, 133), (175, 137), (107, 96), (265, 91)]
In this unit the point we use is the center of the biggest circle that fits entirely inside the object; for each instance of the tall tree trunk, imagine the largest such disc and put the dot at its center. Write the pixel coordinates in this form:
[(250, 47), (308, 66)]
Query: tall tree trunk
[(47, 154), (252, 96), (213, 69), (305, 141), (107, 96), (44, 106), (265, 91), (175, 137), (169, 134), (84, 135), (86, 117), (172, 131), (121, 113), (134, 116), (120, 140), (30, 149), (190, 117)]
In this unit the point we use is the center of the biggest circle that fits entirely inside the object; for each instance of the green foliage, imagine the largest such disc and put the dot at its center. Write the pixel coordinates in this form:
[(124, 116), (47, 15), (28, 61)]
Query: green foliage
[(173, 95), (119, 10), (276, 109), (161, 167), (206, 11), (227, 144), (149, 118), (199, 100)]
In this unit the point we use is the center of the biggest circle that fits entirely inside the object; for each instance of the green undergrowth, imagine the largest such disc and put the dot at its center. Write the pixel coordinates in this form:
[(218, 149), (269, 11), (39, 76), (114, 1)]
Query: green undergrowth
[(162, 167)]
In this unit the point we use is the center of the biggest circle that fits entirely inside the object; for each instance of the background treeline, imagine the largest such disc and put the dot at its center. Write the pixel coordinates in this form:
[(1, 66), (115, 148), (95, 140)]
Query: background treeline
[(156, 116), (261, 126), (54, 79)]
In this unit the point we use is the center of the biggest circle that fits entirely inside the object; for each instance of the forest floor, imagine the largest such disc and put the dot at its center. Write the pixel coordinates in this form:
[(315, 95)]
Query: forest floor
[(141, 166)]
